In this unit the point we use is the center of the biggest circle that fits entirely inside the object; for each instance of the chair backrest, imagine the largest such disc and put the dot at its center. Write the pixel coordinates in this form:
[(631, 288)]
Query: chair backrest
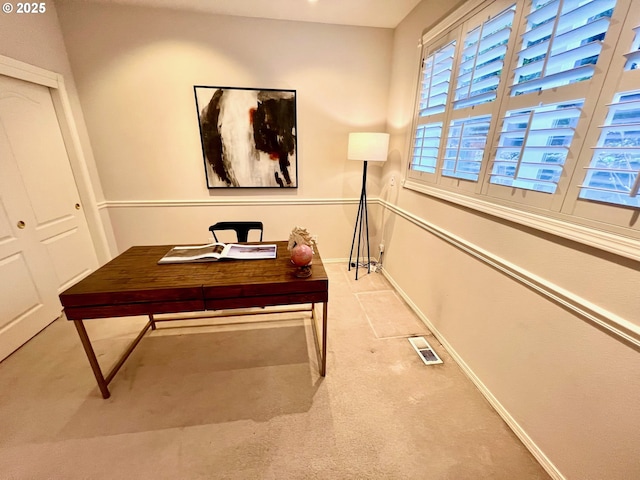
[(241, 228)]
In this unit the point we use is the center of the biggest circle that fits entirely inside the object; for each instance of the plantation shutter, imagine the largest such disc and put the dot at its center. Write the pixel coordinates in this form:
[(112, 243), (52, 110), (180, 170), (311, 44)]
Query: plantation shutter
[(610, 159), (561, 44), (426, 147), (533, 146), (613, 176), (437, 67), (436, 75), (633, 57), (511, 113), (482, 60), (466, 141), (479, 73)]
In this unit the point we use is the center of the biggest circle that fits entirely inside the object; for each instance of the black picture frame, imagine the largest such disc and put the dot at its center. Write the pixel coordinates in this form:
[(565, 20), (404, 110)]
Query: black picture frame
[(248, 136)]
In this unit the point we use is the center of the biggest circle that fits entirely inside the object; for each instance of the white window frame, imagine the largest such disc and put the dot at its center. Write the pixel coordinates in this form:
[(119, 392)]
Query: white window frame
[(618, 80), (562, 213), (474, 21), (436, 118), (585, 90)]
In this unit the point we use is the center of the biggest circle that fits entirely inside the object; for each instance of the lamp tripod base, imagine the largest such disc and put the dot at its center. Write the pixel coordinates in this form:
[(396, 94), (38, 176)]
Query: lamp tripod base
[(361, 230)]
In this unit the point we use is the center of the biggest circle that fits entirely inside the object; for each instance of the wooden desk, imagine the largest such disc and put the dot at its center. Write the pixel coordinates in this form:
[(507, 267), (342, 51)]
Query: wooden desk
[(134, 284)]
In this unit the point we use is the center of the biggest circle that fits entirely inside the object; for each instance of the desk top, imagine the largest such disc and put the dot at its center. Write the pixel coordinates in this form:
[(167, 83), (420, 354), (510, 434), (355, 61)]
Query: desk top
[(133, 283)]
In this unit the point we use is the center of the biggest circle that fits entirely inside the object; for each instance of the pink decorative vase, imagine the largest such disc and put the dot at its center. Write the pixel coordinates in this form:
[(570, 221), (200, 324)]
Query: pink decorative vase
[(301, 255)]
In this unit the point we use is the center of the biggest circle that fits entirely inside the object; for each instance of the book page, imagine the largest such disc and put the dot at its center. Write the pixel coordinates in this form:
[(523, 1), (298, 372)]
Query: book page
[(193, 252), (250, 252), (183, 254)]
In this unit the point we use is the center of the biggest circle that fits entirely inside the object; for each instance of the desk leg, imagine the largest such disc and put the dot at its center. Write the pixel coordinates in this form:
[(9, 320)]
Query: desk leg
[(152, 321), (86, 343), (320, 344), (323, 368)]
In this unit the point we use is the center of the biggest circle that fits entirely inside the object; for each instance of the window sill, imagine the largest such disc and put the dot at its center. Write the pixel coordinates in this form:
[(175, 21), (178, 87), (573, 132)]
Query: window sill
[(610, 242)]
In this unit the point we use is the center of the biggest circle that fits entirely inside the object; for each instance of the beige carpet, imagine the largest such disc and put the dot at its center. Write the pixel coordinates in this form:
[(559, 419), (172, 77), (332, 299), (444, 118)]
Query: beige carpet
[(246, 402)]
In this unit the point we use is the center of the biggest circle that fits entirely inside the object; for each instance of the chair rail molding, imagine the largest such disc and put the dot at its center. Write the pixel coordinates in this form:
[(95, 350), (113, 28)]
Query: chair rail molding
[(609, 242), (226, 202), (618, 327)]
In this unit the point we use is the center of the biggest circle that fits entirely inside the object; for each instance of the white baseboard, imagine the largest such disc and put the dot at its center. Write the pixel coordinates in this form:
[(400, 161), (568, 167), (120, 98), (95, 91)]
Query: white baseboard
[(498, 407)]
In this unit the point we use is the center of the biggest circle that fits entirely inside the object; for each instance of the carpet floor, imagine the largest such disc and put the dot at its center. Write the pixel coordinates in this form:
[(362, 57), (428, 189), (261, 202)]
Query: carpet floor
[(245, 401)]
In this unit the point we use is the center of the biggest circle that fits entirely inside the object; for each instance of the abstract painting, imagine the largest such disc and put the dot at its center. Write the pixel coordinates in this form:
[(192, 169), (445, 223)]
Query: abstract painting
[(248, 136)]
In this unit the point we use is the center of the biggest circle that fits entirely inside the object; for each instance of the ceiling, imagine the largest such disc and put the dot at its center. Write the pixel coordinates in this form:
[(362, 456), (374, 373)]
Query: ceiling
[(370, 13)]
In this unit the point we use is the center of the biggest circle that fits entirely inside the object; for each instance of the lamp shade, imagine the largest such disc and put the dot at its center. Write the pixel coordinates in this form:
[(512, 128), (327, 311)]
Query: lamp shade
[(368, 146)]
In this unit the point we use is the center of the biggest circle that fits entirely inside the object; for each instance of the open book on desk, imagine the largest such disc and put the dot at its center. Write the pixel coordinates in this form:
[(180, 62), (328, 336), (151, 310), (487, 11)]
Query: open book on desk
[(218, 251)]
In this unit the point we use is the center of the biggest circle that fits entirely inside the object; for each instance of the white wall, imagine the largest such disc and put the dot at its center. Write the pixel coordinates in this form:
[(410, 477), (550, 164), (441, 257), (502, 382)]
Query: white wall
[(36, 39), (135, 69), (568, 388)]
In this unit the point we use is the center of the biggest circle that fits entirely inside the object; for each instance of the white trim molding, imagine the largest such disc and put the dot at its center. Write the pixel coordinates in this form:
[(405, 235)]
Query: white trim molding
[(618, 327), (55, 82), (535, 450), (230, 202), (29, 73), (624, 246)]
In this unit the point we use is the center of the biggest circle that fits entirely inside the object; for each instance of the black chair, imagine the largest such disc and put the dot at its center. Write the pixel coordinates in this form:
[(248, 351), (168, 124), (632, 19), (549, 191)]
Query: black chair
[(241, 228)]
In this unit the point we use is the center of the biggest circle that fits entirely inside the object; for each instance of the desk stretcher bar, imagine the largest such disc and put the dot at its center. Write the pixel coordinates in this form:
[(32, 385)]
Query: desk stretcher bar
[(134, 284)]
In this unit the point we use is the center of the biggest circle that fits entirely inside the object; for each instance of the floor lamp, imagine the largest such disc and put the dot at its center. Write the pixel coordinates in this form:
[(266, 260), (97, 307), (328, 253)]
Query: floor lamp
[(367, 147)]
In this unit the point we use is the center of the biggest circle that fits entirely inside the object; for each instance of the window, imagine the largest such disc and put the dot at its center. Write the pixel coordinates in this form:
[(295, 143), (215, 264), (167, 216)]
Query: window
[(511, 114), (433, 94), (633, 57), (480, 64), (457, 138), (425, 149), (466, 141), (482, 60), (613, 175), (561, 44), (436, 74), (533, 146)]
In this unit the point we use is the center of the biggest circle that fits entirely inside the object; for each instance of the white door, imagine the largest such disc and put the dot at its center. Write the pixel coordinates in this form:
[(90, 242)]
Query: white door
[(45, 245)]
